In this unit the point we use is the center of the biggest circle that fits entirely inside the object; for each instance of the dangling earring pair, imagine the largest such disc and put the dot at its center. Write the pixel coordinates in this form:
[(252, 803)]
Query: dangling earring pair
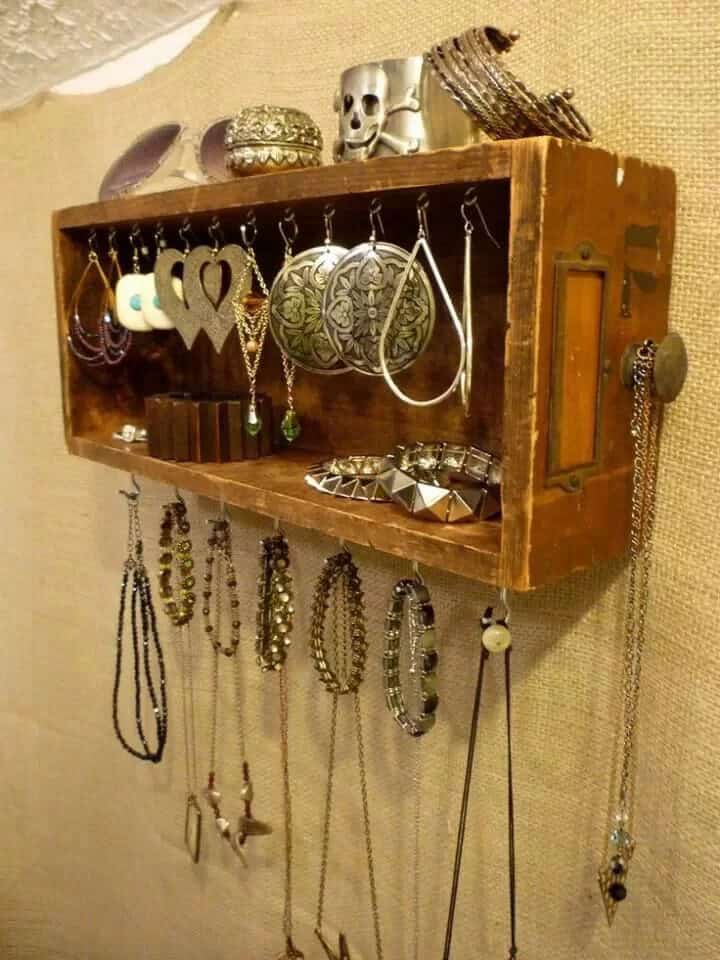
[(252, 321), (138, 304), (108, 345)]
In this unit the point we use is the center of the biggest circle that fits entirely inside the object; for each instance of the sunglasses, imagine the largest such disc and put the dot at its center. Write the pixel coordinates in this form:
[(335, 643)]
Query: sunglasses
[(167, 157)]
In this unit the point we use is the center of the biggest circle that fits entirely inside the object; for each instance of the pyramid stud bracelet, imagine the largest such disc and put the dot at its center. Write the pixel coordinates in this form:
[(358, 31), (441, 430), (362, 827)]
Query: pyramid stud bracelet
[(355, 477), (422, 478)]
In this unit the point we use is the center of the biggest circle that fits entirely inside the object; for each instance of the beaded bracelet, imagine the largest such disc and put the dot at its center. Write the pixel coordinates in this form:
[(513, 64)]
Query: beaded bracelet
[(177, 551), (220, 546), (275, 609), (423, 656), (339, 567)]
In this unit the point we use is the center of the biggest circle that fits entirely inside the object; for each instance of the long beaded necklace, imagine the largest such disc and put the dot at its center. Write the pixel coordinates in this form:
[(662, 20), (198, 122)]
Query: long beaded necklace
[(134, 572), (620, 844), (220, 552), (275, 613), (338, 590), (176, 549), (496, 638)]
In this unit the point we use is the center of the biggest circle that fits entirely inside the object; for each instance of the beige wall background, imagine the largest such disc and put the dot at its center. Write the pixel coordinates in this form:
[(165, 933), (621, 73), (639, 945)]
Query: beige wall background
[(93, 864)]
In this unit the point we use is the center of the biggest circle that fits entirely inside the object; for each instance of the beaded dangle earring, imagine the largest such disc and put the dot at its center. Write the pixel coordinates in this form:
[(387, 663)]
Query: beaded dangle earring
[(251, 321), (142, 610), (109, 344)]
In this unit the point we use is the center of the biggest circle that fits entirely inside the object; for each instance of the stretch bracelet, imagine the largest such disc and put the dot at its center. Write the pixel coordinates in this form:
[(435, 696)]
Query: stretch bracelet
[(275, 608), (336, 568), (423, 656)]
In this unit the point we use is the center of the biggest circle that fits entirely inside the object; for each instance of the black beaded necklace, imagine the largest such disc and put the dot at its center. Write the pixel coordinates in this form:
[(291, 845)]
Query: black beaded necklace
[(134, 572)]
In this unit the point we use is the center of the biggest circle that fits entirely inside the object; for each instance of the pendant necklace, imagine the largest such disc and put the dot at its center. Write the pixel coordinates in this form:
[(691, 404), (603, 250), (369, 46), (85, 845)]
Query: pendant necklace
[(620, 844), (251, 322), (176, 551), (135, 574), (496, 639), (220, 554), (338, 594), (275, 613)]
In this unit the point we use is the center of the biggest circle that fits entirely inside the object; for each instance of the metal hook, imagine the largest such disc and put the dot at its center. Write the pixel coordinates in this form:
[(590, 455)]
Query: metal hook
[(160, 241), (216, 234), (375, 219), (423, 202), (112, 242), (248, 230), (343, 546), (470, 200), (179, 497), (135, 236), (503, 597), (185, 230), (328, 214), (92, 244), (135, 495), (416, 572), (292, 230), (276, 524)]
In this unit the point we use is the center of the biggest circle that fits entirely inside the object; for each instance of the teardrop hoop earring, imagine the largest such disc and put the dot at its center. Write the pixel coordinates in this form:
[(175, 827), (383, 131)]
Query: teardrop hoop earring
[(109, 344), (466, 376), (422, 243)]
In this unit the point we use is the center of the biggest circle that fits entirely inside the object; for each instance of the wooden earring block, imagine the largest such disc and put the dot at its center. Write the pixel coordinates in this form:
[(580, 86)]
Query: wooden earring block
[(200, 429)]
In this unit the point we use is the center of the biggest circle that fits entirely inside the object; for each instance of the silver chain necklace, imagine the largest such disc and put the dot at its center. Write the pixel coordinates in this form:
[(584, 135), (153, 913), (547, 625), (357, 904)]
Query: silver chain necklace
[(620, 844)]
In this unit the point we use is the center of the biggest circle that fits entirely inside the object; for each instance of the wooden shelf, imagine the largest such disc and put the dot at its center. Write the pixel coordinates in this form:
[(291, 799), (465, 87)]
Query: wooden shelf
[(274, 486), (575, 226)]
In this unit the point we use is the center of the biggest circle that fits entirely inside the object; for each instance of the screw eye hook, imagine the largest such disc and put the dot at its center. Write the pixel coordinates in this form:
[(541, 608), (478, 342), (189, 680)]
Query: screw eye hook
[(471, 202), (112, 242), (376, 224), (422, 206), (185, 231), (135, 494), (249, 230), (216, 234), (288, 229), (160, 241), (328, 214)]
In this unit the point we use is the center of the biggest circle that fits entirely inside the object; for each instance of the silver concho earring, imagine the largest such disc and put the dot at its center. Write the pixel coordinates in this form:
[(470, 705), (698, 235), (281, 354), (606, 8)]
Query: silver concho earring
[(358, 297), (296, 303), (421, 244)]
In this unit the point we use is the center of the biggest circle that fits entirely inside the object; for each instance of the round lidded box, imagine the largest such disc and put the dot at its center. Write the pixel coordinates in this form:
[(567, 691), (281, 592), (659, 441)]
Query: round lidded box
[(268, 138)]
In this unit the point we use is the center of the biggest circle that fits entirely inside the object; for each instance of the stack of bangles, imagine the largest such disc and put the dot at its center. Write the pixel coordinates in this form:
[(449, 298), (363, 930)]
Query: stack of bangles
[(447, 482)]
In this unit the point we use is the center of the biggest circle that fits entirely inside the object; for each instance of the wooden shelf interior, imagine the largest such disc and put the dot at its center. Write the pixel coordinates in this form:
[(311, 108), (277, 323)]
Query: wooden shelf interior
[(551, 206)]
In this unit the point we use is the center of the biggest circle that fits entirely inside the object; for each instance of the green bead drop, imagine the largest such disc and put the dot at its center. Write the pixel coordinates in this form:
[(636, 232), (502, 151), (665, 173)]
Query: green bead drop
[(290, 426)]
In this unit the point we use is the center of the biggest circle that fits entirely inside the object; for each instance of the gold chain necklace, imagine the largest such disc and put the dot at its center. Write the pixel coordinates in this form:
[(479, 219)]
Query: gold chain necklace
[(645, 422), (338, 591)]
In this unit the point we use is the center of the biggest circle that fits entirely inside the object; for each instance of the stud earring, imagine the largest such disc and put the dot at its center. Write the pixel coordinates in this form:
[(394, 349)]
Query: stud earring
[(129, 290)]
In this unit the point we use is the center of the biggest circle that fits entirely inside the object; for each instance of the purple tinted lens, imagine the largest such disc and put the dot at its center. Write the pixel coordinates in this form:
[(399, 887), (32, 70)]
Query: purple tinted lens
[(140, 160), (212, 150)]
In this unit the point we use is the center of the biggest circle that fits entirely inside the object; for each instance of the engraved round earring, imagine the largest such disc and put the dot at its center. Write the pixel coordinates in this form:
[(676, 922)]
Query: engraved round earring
[(109, 344), (421, 244), (251, 322), (358, 296), (297, 321)]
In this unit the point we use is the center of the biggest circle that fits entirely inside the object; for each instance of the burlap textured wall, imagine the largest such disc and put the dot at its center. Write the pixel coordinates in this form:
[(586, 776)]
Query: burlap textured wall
[(93, 865)]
